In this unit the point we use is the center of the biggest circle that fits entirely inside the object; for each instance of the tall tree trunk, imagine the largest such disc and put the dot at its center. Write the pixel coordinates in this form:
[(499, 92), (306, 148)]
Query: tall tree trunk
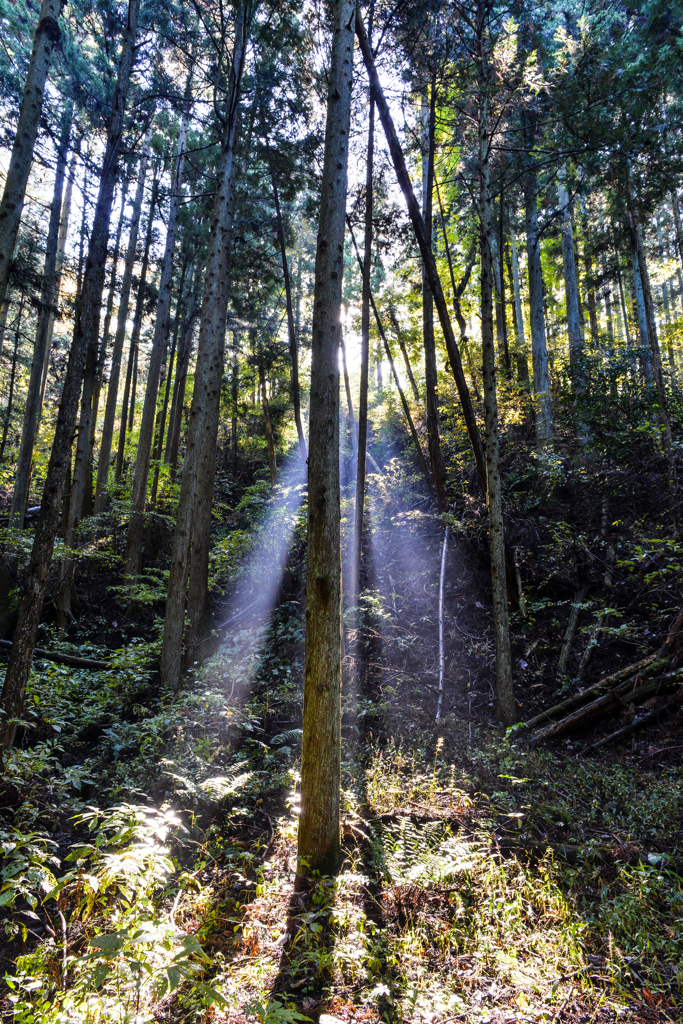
[(102, 355), (678, 227), (119, 337), (128, 407), (539, 350), (4, 312), (622, 300), (86, 327), (643, 331), (59, 265), (589, 274), (657, 371), (22, 479), (47, 34), (571, 288), (319, 821), (182, 367), (159, 446), (520, 341), (494, 497), (209, 357), (12, 378), (159, 344), (406, 409), (366, 271), (293, 345), (267, 424), (431, 381), (233, 425), (427, 255), (501, 275), (406, 359)]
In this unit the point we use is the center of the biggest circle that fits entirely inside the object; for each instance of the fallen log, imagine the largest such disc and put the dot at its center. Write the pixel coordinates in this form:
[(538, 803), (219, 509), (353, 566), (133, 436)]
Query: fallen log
[(62, 659), (625, 730), (598, 854), (619, 697), (607, 682)]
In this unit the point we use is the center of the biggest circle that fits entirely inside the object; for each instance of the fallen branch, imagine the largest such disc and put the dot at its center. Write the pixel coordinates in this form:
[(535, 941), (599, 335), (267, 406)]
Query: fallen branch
[(605, 703), (62, 659), (631, 727), (598, 854), (607, 682)]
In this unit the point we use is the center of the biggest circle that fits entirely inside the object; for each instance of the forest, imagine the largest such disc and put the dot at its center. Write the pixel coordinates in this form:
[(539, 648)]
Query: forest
[(341, 568)]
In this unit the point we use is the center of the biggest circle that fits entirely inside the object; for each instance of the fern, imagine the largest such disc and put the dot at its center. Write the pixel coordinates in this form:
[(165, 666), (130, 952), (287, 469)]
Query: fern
[(287, 738), (422, 853)]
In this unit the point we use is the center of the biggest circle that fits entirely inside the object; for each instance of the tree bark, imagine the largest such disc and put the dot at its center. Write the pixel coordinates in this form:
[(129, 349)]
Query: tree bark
[(293, 345), (431, 378), (571, 288), (657, 371), (128, 407), (159, 344), (494, 498), (643, 331), (182, 367), (85, 327), (403, 178), (209, 354), (406, 409), (268, 426), (539, 350), (319, 821), (401, 341), (61, 248), (520, 340), (122, 317), (47, 35), (12, 378), (32, 409), (366, 271), (102, 355)]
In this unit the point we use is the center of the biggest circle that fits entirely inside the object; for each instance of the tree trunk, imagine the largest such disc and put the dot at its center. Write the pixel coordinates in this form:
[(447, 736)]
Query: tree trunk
[(657, 371), (501, 277), (539, 350), (520, 341), (431, 381), (679, 227), (401, 341), (233, 426), (159, 445), (209, 355), (362, 436), (319, 820), (102, 355), (32, 409), (4, 312), (159, 344), (406, 409), (61, 248), (12, 378), (571, 288), (622, 300), (47, 34), (589, 274), (182, 367), (268, 426), (645, 360), (85, 328), (128, 407), (403, 178), (494, 497), (293, 347), (117, 351)]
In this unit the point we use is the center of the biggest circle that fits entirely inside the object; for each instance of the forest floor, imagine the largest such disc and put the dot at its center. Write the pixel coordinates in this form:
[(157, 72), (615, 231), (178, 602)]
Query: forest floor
[(150, 844)]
